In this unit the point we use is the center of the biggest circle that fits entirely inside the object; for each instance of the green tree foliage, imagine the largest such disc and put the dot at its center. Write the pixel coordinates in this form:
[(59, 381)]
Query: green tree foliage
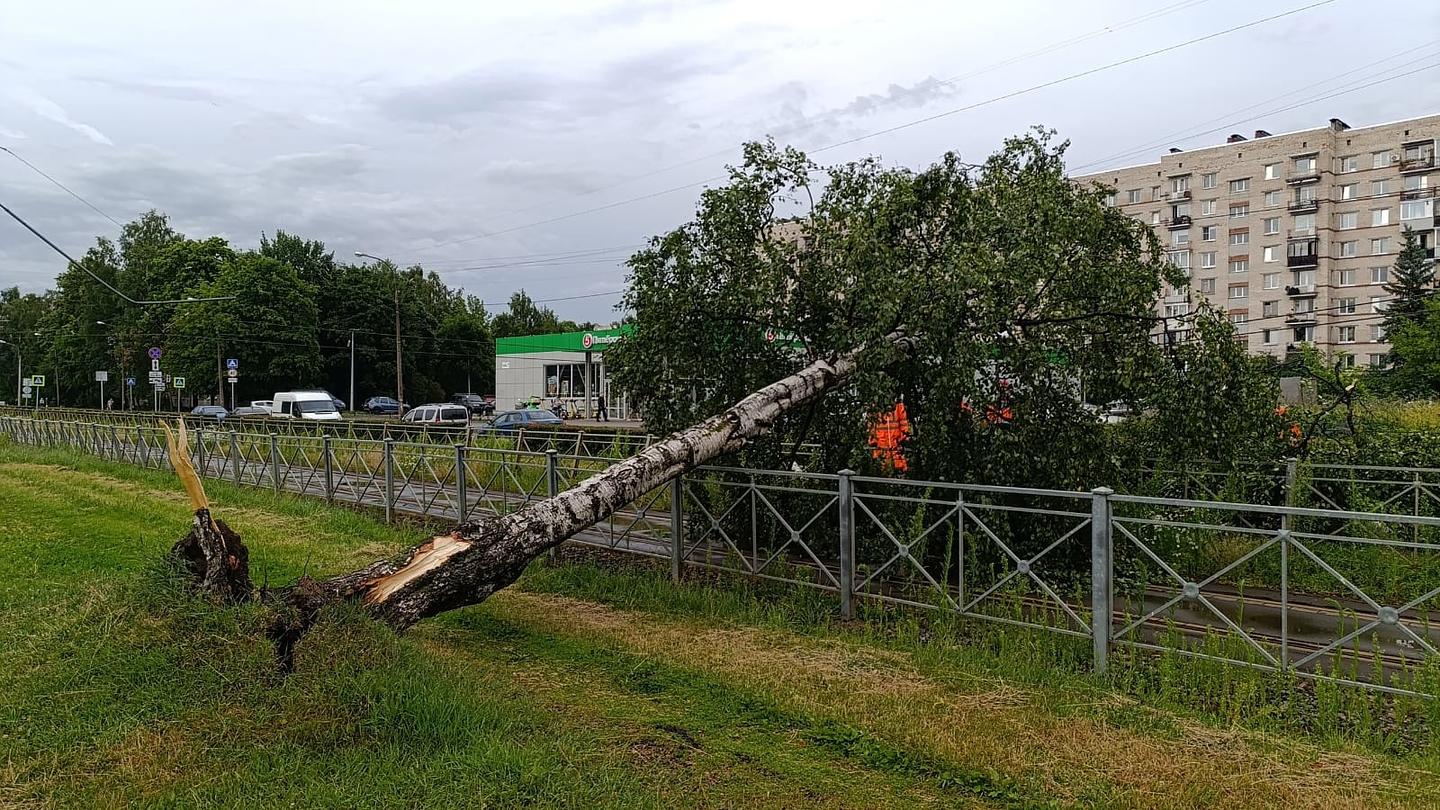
[(526, 318), (1022, 289), (1412, 281), (1415, 354)]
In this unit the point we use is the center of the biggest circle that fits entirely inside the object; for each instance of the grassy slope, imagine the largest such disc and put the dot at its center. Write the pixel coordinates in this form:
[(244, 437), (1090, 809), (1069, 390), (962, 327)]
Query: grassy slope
[(588, 687)]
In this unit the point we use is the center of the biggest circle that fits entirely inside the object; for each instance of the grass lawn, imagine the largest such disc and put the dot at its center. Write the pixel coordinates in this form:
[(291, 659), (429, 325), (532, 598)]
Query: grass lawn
[(592, 684)]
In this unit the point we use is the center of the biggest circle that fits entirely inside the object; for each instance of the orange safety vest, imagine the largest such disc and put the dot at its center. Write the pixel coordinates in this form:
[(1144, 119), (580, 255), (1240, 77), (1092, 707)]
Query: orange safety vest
[(886, 436)]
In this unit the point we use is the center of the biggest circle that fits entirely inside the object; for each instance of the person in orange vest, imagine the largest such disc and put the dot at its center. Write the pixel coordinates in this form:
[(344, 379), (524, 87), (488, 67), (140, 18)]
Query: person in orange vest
[(886, 436)]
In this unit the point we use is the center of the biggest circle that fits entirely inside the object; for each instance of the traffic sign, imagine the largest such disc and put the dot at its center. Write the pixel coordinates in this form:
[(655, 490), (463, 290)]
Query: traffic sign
[(154, 352), (130, 381), (154, 365), (232, 364), (38, 381), (179, 382), (102, 376), (25, 389), (233, 374)]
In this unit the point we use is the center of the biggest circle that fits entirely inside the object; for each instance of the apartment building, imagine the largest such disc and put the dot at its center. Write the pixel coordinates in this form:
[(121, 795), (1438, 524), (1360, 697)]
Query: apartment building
[(1292, 235)]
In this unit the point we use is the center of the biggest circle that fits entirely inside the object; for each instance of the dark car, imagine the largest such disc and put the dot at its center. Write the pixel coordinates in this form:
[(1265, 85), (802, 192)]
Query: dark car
[(216, 412), (380, 405), (523, 420), (477, 404)]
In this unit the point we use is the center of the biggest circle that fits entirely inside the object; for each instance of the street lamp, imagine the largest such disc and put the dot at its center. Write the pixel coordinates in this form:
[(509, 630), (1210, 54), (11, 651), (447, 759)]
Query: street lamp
[(399, 361), (19, 364)]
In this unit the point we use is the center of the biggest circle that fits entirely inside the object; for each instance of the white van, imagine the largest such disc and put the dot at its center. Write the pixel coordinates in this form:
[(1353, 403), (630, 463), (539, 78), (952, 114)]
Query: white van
[(312, 405)]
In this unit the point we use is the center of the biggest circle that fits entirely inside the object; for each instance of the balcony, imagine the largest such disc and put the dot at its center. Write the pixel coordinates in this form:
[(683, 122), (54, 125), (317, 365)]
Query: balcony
[(1300, 234), (1300, 290), (1178, 195), (1182, 221), (1312, 176), (1300, 318), (1302, 260), (1303, 206), (1422, 163)]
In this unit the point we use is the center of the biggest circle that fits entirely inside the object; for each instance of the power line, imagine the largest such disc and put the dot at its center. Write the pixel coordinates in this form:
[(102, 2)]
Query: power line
[(61, 185), (908, 124), (103, 282)]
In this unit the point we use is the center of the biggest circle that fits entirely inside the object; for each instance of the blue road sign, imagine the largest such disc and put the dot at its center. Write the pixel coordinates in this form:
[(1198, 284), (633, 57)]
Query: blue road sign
[(232, 363), (130, 381), (154, 352)]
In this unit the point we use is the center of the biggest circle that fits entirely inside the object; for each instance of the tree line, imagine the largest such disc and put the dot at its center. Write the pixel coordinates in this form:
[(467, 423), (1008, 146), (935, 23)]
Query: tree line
[(291, 314)]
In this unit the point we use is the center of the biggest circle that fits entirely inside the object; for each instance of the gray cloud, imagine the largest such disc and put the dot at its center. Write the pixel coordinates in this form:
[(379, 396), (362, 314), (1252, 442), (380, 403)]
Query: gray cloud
[(164, 90), (539, 176), (899, 96), (49, 110)]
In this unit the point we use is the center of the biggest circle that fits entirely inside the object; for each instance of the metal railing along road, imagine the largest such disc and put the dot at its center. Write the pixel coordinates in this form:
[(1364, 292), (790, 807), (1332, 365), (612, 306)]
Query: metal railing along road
[(1307, 587)]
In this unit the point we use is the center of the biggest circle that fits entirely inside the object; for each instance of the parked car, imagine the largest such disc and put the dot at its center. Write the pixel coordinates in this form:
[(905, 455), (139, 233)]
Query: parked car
[(250, 412), (216, 412), (476, 403), (308, 405), (265, 404), (381, 405), (337, 401), (521, 420), (438, 413)]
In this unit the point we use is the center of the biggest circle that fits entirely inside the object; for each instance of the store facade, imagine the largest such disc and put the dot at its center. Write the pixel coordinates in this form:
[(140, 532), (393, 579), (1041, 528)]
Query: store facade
[(564, 372)]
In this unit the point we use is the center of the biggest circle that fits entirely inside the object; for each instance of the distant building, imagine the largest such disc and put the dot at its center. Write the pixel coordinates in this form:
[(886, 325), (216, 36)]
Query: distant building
[(1292, 235)]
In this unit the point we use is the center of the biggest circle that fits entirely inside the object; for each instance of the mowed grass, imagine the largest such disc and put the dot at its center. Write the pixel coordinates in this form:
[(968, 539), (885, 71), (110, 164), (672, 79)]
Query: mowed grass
[(592, 684)]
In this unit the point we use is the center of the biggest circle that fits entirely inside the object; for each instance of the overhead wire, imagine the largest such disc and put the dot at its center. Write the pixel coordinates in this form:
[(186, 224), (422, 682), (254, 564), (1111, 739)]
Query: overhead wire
[(60, 185)]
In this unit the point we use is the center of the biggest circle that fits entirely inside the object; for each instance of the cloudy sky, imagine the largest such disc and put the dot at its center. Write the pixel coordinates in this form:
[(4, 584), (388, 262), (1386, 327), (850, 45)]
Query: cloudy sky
[(532, 145)]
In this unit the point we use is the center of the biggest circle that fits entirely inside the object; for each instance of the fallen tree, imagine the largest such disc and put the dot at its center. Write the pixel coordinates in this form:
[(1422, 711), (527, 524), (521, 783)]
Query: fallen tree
[(479, 558)]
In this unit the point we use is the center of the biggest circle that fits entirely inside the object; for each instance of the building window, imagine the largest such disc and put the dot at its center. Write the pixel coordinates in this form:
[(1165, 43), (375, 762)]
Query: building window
[(1180, 238), (1349, 163), (1416, 209), (1240, 186), (1239, 292), (1377, 303), (1272, 171), (1345, 306), (1267, 336), (1379, 188), (1345, 334), (1272, 225), (1180, 185), (1348, 191), (1379, 160), (1270, 309), (1304, 224), (1304, 334), (1380, 216), (1207, 259), (1181, 259), (1348, 220), (1207, 180), (1305, 306), (1304, 278), (1240, 211), (1377, 333), (1270, 281), (1273, 199), (1207, 207), (1377, 361), (1207, 286), (1272, 253), (1209, 233), (1154, 217), (1344, 278), (1239, 265), (1154, 192), (1305, 165), (1108, 201), (1415, 182), (1379, 247), (1240, 237), (568, 379), (1379, 275), (1347, 360), (1348, 249), (1239, 318), (1133, 196)]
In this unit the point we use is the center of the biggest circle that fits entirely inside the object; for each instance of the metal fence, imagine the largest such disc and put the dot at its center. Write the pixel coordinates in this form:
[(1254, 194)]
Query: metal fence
[(1326, 593)]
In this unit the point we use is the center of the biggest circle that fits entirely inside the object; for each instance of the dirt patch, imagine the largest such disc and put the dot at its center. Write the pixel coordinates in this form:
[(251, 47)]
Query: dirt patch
[(995, 726)]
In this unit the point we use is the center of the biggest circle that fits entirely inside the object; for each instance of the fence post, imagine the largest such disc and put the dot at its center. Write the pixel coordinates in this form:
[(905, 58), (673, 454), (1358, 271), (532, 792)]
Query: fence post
[(1415, 527), (846, 501), (552, 486), (462, 487), (1101, 566), (677, 527), (275, 463), (1290, 475), (329, 455), (389, 480), (234, 458)]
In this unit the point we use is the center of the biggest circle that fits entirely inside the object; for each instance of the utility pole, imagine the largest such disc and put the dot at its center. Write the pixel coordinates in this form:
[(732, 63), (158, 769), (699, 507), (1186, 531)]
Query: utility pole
[(220, 378), (352, 371), (399, 368)]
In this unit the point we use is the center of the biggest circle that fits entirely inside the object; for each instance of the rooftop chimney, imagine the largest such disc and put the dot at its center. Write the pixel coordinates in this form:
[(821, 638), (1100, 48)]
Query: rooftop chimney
[(1174, 150), (1260, 133), (1338, 125), (1235, 138)]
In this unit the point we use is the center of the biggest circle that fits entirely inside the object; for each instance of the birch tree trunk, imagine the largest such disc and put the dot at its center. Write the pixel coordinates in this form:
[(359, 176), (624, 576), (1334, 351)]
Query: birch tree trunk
[(478, 559)]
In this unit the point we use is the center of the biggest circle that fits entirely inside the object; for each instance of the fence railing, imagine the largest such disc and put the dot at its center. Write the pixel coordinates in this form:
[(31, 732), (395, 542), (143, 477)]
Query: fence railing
[(1328, 593)]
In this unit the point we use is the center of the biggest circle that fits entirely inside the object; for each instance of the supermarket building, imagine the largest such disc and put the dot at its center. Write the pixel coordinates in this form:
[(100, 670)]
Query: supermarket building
[(564, 371)]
